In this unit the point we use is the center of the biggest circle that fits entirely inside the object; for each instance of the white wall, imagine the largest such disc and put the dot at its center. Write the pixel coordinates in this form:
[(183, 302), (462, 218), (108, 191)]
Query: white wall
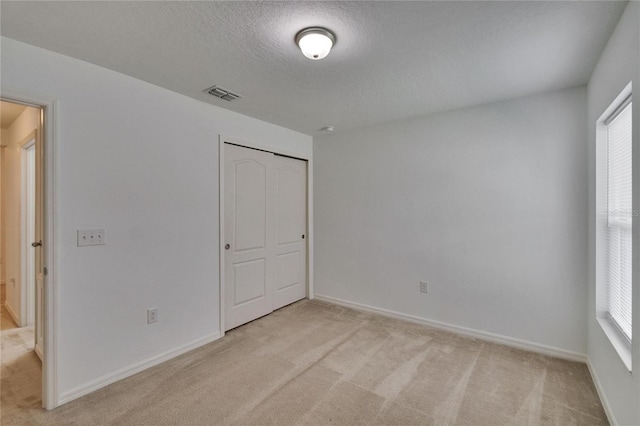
[(20, 129), (141, 162), (486, 203), (618, 65)]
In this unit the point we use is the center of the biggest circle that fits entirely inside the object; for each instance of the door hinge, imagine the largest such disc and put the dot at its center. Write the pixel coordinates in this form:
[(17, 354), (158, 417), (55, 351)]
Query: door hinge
[(44, 271)]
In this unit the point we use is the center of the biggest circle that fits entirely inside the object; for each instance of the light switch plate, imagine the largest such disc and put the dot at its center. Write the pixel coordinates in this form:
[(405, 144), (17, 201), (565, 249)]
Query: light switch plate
[(91, 237)]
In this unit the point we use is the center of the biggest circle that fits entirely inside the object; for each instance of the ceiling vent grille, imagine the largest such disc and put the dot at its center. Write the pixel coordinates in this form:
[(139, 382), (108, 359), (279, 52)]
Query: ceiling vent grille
[(221, 93)]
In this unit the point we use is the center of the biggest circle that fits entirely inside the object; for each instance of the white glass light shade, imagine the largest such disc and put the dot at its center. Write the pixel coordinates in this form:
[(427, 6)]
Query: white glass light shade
[(315, 43)]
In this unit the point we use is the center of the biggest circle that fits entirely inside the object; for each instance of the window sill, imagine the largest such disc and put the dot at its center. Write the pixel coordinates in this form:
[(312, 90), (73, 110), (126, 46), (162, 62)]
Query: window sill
[(620, 344)]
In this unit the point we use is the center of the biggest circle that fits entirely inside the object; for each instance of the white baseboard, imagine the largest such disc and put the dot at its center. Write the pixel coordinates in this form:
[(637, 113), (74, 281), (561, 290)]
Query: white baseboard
[(603, 397), (134, 369), (464, 331), (12, 313)]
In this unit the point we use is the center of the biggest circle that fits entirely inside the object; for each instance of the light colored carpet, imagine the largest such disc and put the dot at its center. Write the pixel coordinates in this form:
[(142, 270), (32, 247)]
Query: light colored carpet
[(317, 363), (21, 372)]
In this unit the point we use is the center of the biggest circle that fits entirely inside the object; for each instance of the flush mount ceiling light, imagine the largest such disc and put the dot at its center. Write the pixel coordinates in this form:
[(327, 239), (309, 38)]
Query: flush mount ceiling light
[(315, 42)]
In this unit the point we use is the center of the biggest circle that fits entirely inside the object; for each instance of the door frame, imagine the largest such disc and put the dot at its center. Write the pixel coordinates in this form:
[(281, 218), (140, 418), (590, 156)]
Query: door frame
[(25, 244), (48, 129), (222, 139)]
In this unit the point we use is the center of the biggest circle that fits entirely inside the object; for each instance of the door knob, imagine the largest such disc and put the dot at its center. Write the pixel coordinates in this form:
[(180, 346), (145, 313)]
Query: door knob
[(227, 246), (36, 244)]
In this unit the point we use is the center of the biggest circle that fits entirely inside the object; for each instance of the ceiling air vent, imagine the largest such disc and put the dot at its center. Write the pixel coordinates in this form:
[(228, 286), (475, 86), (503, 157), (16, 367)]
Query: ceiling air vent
[(221, 93)]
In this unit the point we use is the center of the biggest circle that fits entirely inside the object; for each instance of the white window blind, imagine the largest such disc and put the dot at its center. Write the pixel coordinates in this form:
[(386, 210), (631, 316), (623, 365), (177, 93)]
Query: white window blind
[(620, 215)]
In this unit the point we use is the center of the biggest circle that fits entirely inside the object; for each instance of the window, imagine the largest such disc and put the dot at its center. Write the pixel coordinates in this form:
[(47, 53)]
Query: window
[(619, 218), (614, 222)]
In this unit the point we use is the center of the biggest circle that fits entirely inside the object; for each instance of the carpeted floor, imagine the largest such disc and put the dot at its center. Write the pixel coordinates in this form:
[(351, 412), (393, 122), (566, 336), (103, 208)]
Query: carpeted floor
[(316, 363), (21, 372)]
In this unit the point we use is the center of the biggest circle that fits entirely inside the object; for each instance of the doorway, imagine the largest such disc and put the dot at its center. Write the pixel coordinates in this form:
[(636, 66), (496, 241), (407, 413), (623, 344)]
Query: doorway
[(21, 234), (265, 233)]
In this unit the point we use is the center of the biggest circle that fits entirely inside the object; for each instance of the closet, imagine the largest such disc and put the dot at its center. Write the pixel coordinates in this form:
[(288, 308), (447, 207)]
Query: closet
[(265, 226)]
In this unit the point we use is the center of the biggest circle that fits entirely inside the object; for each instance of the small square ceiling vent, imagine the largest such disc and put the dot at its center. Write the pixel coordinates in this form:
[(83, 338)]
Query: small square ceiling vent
[(221, 93)]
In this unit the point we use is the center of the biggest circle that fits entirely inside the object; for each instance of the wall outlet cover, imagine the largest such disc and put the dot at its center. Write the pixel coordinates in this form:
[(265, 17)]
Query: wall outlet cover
[(152, 315)]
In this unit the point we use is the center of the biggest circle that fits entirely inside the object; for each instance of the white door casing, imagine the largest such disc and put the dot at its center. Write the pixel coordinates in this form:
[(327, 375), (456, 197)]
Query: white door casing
[(264, 233), (47, 228)]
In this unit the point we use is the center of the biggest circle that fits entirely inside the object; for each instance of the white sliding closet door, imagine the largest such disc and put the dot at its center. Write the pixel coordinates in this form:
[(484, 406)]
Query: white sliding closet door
[(249, 230), (291, 246), (264, 225)]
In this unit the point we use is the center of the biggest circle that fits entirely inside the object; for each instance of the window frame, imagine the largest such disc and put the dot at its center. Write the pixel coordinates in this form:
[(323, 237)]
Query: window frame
[(619, 340)]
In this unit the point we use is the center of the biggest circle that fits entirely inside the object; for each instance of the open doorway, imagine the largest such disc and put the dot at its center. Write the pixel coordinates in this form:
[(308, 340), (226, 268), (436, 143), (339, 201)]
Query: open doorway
[(21, 264)]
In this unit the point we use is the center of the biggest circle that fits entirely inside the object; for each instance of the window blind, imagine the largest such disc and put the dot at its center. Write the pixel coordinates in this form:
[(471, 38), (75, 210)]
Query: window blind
[(620, 215)]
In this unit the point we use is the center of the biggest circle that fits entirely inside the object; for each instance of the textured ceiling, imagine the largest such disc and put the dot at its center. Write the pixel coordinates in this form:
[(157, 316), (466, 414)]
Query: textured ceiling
[(392, 60)]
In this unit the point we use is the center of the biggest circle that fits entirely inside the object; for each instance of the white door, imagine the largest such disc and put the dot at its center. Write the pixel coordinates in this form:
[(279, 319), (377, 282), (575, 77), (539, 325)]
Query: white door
[(248, 186), (265, 220), (291, 246), (30, 228), (38, 246), (31, 242)]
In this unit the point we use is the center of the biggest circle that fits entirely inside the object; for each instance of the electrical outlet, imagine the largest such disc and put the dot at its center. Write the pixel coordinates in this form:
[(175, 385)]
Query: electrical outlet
[(424, 287), (91, 237), (152, 315), (99, 236)]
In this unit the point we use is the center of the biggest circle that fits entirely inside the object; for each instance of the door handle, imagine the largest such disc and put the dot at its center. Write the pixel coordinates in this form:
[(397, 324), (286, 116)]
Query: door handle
[(37, 244), (227, 246)]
